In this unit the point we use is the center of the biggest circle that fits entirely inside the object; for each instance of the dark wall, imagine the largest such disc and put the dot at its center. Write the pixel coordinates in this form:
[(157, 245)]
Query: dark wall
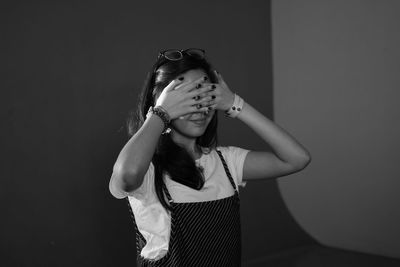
[(71, 71)]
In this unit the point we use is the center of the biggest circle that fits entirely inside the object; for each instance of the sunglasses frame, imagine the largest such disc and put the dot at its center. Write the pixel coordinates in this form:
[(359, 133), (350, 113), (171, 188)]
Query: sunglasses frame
[(181, 52)]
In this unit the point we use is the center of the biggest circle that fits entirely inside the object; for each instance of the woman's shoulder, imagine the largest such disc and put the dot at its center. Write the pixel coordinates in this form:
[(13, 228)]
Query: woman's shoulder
[(235, 157), (223, 148), (231, 149), (233, 154)]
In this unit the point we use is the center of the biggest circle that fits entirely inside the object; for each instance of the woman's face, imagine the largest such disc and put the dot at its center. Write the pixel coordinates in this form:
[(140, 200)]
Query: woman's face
[(195, 124)]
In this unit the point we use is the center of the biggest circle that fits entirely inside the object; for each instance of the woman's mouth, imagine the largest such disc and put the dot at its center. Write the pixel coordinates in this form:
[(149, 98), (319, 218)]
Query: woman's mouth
[(199, 121)]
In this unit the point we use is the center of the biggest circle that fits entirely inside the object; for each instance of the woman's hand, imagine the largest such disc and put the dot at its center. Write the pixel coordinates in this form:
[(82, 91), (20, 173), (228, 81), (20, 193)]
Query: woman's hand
[(220, 96), (183, 100)]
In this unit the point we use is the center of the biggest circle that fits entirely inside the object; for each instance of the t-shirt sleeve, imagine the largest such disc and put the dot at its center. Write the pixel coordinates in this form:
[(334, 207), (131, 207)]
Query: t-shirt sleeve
[(147, 185), (235, 157)]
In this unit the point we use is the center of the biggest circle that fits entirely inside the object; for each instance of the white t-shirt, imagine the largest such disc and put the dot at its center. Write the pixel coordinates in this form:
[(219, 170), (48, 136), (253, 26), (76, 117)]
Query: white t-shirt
[(153, 220)]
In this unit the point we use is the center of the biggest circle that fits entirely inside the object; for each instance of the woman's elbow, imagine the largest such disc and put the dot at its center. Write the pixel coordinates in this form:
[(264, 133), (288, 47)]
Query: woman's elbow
[(122, 183), (304, 161)]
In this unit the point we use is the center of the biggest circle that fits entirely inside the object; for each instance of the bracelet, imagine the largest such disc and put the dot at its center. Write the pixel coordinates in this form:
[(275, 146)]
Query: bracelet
[(162, 113), (236, 108)]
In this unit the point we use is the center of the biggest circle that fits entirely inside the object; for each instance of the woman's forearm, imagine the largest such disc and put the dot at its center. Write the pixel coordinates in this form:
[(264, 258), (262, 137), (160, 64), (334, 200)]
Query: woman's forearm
[(286, 147), (135, 157)]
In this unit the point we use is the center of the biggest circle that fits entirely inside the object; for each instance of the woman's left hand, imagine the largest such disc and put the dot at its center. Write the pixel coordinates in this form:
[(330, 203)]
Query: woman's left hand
[(220, 96)]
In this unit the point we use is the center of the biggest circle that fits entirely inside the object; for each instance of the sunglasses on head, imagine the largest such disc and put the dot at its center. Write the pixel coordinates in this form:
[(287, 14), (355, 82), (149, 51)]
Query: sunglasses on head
[(176, 54)]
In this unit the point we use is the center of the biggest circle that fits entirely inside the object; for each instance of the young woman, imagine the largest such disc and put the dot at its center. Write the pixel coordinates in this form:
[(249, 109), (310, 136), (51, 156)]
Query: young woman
[(181, 186)]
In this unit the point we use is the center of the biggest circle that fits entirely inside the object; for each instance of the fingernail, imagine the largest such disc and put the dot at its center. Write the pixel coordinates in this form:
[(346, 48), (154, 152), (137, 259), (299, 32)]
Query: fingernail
[(181, 78), (213, 86)]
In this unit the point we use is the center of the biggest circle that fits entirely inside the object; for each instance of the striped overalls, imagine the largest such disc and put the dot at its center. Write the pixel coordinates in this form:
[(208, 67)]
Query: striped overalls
[(204, 233)]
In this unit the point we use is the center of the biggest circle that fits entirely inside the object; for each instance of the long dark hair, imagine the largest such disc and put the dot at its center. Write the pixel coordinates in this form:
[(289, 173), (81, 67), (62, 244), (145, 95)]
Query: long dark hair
[(169, 157)]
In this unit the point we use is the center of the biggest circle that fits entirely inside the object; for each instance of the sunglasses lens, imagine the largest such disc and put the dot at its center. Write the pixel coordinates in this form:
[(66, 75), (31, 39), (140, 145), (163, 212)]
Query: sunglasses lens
[(173, 55), (194, 52)]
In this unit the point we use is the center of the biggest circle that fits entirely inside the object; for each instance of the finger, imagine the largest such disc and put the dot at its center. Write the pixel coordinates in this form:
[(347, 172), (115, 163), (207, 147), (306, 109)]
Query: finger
[(199, 92), (209, 103), (204, 101), (211, 93), (202, 97), (197, 84), (221, 80), (212, 107), (173, 84), (209, 85), (198, 108), (192, 85), (219, 77)]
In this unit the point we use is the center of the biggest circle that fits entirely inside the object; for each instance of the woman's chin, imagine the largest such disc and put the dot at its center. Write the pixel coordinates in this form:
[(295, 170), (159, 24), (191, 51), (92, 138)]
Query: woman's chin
[(193, 132)]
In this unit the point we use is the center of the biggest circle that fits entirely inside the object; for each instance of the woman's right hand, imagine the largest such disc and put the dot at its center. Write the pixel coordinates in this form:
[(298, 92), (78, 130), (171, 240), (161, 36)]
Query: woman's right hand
[(183, 100)]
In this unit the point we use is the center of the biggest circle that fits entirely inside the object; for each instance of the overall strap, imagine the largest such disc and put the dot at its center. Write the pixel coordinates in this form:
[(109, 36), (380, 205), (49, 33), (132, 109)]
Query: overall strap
[(166, 192), (164, 187), (228, 173)]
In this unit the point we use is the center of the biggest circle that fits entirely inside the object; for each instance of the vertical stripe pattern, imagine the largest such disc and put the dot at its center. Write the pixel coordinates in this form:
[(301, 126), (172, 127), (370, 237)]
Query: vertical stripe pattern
[(204, 233)]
